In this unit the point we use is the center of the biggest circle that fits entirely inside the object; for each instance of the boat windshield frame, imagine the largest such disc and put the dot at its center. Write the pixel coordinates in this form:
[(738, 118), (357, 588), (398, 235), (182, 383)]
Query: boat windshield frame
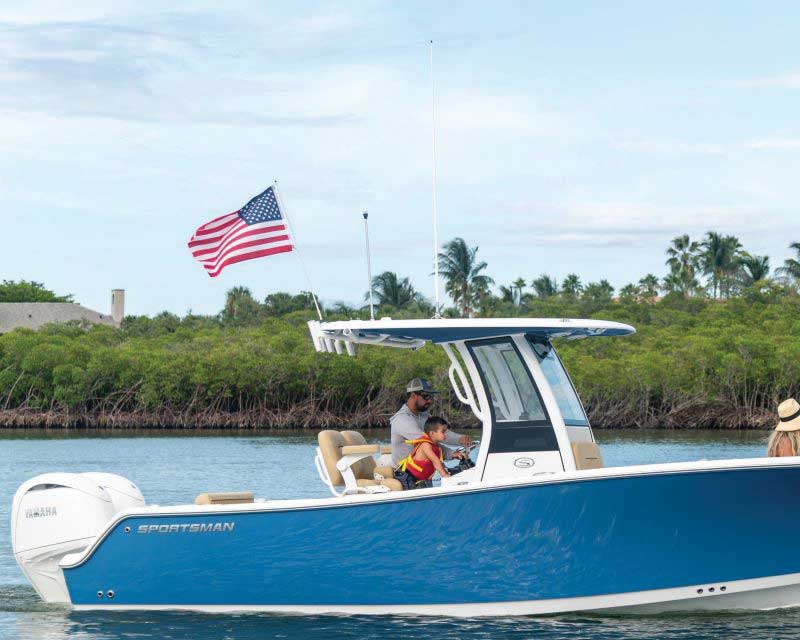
[(537, 344), (488, 386), (505, 433)]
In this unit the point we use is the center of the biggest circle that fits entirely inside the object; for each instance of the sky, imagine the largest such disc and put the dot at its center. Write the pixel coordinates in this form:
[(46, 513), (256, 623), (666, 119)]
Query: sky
[(573, 137)]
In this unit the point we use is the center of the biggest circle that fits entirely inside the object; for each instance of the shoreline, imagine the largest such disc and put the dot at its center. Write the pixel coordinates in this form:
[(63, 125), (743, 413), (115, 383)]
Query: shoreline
[(299, 419)]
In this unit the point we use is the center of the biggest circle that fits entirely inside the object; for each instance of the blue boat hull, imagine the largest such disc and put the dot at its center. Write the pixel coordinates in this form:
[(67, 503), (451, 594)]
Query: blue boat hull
[(559, 540)]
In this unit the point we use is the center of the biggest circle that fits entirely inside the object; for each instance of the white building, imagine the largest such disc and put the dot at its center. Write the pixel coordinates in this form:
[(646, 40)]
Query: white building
[(34, 315)]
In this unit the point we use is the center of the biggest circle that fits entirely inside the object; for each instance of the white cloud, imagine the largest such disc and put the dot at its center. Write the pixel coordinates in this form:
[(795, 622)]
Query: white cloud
[(653, 216), (331, 21), (479, 111), (107, 71), (782, 81), (775, 144), (38, 11), (617, 223), (671, 147)]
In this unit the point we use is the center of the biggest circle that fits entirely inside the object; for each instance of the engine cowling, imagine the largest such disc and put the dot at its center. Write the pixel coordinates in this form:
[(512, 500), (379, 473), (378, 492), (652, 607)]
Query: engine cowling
[(56, 514)]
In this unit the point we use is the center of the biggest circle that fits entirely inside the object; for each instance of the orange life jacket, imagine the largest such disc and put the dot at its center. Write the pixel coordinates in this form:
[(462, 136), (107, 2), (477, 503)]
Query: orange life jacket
[(420, 469)]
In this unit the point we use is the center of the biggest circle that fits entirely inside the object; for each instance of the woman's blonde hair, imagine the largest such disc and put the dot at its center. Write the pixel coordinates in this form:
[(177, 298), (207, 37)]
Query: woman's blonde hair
[(777, 437)]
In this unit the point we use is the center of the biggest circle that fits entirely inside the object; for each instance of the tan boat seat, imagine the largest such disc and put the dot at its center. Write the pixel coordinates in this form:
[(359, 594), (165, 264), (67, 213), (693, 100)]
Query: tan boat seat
[(331, 444), (384, 472), (232, 497), (363, 468), (587, 455)]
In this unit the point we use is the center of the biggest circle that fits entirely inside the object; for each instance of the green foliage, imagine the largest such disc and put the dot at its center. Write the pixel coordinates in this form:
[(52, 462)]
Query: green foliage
[(791, 266), (695, 361), (724, 360), (545, 286), (683, 260), (279, 304), (598, 292), (754, 268), (389, 290), (24, 291), (464, 279), (720, 261), (571, 287)]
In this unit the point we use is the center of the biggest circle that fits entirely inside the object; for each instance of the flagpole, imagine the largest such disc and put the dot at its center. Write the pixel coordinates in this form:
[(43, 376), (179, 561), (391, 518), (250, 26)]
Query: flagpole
[(435, 219), (296, 247), (369, 266)]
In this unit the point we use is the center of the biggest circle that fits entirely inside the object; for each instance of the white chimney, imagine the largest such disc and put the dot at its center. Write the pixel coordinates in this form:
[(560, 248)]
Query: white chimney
[(118, 305)]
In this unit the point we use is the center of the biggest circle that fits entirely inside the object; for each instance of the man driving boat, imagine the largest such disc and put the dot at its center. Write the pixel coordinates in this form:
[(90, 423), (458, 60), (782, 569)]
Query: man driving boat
[(408, 423)]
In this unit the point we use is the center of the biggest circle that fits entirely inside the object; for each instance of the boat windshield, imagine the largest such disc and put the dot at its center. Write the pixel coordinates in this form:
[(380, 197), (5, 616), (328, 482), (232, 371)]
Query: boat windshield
[(563, 390), (513, 395)]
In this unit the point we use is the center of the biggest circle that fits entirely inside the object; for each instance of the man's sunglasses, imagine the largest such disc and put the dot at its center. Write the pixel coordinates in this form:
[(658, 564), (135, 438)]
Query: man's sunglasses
[(425, 396)]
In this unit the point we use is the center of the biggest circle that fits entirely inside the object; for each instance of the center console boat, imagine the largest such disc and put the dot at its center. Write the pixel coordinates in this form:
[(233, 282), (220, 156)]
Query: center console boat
[(550, 529)]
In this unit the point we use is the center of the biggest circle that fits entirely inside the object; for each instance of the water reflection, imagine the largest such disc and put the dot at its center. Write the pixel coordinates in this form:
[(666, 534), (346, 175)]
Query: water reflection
[(57, 625)]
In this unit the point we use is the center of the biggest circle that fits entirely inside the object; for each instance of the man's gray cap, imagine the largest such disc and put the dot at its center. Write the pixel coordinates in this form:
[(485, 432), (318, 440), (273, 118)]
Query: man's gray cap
[(420, 385)]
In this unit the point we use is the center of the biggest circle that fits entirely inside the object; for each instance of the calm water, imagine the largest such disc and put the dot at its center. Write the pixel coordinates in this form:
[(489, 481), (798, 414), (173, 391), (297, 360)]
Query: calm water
[(172, 469)]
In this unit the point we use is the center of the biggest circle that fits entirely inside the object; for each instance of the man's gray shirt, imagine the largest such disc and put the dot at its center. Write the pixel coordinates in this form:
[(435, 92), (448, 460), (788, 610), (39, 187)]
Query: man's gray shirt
[(407, 426)]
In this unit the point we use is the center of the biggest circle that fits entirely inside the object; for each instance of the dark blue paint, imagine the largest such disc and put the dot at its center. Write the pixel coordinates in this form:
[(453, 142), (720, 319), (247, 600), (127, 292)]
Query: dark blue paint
[(525, 543)]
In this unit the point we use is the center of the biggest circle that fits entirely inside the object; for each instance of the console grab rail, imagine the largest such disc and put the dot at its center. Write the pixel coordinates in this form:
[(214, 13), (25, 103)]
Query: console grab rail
[(456, 371)]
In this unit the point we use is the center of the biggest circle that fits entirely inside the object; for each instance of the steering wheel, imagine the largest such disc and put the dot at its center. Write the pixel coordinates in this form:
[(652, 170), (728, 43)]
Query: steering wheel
[(468, 450), (467, 463)]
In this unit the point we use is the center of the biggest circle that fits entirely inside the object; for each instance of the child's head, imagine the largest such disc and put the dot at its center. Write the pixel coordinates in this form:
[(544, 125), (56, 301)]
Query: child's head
[(436, 428)]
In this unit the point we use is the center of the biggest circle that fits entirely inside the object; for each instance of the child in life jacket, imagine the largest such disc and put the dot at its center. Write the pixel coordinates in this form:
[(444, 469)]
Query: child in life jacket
[(415, 471)]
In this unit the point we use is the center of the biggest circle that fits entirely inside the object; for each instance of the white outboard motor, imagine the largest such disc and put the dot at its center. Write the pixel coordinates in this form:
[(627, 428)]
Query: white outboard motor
[(56, 514)]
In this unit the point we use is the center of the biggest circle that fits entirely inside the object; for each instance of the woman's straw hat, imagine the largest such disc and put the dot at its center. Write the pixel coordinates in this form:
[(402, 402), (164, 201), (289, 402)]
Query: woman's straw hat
[(789, 412)]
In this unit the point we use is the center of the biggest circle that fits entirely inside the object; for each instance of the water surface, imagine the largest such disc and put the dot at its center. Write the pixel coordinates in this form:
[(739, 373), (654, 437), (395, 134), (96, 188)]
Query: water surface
[(173, 468)]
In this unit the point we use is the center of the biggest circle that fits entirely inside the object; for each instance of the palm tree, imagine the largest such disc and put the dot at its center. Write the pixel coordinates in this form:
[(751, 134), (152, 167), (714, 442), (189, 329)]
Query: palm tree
[(599, 291), (672, 283), (340, 307), (240, 306), (711, 259), (630, 293), (390, 291), (462, 273), (571, 286), (280, 303), (508, 294), (482, 295), (683, 260), (754, 267), (545, 286), (519, 285), (719, 259), (649, 286), (682, 253), (791, 266), (513, 292)]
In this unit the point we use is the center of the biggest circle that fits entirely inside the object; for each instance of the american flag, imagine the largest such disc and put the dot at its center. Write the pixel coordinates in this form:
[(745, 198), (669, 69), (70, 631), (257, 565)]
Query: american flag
[(257, 230)]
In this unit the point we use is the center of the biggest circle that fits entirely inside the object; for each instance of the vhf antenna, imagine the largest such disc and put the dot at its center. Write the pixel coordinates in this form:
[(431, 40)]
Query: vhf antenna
[(435, 219)]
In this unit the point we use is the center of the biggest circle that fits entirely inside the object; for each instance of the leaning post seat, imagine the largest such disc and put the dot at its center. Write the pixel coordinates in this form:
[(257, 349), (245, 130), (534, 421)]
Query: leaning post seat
[(368, 467), (344, 459)]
